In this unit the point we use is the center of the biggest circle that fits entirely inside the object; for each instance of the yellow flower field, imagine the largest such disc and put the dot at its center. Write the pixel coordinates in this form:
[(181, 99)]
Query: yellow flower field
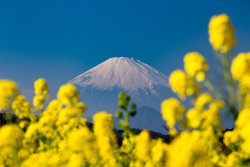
[(60, 137)]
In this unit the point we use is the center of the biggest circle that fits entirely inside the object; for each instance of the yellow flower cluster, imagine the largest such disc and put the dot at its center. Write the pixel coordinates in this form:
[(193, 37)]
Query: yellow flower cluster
[(183, 84), (203, 99), (12, 151), (8, 90), (172, 111), (221, 33), (202, 115), (41, 87), (189, 149), (21, 107), (195, 65), (240, 70), (241, 66), (41, 90), (106, 139), (83, 141), (68, 94), (149, 152)]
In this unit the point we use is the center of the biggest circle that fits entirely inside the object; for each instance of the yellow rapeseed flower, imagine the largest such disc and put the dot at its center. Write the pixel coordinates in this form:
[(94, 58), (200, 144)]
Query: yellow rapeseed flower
[(10, 145), (41, 87), (143, 146), (221, 33), (106, 138), (4, 103), (230, 137), (39, 101), (243, 118), (53, 108), (8, 90), (241, 66), (159, 151), (76, 160), (216, 105), (172, 111), (21, 106), (32, 131), (188, 149), (195, 65), (234, 159), (240, 70), (103, 126), (41, 90), (11, 135), (67, 94), (203, 99), (211, 116), (23, 124), (183, 84), (46, 159), (247, 101), (83, 141), (194, 117), (245, 85)]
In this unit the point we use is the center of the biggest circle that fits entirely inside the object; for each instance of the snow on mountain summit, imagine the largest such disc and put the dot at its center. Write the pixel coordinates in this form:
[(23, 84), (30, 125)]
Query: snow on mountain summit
[(124, 73)]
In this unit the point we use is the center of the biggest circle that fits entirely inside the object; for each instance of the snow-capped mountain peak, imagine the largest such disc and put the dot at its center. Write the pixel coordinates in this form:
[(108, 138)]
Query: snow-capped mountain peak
[(124, 73)]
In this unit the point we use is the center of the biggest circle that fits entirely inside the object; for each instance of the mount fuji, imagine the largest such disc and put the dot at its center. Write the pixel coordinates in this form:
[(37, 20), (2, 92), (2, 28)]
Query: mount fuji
[(99, 87), (124, 73)]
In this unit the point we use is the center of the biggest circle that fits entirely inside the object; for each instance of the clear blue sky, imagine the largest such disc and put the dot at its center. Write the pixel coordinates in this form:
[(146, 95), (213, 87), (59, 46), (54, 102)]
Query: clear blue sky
[(58, 40)]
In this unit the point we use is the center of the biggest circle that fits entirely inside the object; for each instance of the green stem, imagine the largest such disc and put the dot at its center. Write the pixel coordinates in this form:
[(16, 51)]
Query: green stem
[(211, 88), (228, 78), (126, 119), (126, 116)]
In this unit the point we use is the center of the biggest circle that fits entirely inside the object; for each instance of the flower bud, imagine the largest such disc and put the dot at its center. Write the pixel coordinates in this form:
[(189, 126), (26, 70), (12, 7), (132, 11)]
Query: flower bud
[(133, 106), (132, 113), (119, 114)]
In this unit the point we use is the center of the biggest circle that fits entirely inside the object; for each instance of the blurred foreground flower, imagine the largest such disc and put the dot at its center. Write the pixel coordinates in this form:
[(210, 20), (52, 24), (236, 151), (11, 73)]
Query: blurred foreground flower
[(221, 33)]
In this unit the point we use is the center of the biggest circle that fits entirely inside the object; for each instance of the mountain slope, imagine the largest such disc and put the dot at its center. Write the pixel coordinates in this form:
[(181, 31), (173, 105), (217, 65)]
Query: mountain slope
[(100, 86), (125, 73)]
